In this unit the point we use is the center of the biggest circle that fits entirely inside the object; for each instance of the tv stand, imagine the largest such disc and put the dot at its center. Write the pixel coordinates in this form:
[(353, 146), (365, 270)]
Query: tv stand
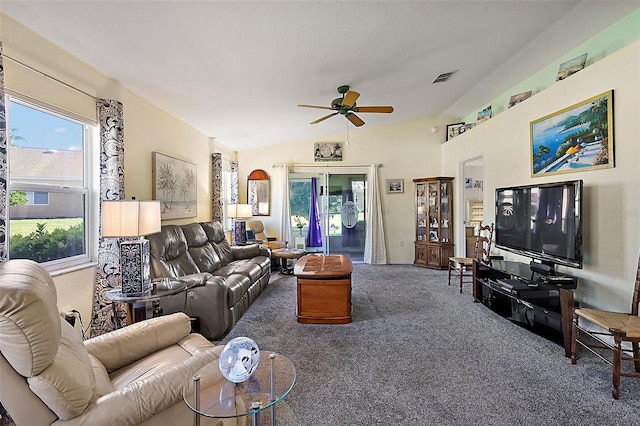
[(525, 295)]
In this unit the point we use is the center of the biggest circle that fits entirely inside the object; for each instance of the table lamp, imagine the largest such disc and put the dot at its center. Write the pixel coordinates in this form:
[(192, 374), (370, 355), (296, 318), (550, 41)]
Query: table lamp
[(132, 220), (239, 212)]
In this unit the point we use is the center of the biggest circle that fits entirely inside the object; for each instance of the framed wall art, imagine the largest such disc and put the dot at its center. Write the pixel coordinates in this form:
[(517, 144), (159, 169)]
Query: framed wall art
[(395, 186), (575, 139), (327, 151), (484, 115), (516, 99), (571, 67), (174, 185), (453, 130)]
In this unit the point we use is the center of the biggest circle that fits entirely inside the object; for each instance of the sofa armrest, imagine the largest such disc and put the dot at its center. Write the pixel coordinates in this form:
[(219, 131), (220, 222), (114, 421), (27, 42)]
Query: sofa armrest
[(142, 400), (265, 251), (195, 280), (126, 345)]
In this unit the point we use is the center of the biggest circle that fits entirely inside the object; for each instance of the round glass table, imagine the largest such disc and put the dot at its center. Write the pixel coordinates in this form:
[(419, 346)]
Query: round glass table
[(209, 394)]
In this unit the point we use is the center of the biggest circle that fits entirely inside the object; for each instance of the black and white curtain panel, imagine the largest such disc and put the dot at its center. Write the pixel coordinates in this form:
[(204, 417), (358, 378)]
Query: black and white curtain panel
[(216, 188), (3, 166), (233, 197), (111, 121)]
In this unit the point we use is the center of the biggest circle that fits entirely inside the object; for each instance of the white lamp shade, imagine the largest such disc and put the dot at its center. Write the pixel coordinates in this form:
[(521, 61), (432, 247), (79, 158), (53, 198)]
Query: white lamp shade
[(130, 218), (236, 211)]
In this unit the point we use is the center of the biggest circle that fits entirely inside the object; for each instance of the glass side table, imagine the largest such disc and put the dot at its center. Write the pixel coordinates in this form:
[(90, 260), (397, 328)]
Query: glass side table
[(161, 288), (209, 394)]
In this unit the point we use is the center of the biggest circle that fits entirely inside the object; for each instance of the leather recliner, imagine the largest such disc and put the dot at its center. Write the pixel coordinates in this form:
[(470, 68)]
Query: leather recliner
[(258, 228), (134, 375)]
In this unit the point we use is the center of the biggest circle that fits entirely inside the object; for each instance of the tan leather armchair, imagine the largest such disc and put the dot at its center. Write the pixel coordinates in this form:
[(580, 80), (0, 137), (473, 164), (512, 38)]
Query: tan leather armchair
[(258, 227), (131, 376)]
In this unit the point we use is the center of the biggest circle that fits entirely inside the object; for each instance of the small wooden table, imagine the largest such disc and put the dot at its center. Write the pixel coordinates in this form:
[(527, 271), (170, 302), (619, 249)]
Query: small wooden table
[(324, 289)]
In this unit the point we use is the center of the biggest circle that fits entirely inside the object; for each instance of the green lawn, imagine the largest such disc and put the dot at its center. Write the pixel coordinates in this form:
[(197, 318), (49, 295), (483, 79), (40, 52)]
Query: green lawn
[(27, 226)]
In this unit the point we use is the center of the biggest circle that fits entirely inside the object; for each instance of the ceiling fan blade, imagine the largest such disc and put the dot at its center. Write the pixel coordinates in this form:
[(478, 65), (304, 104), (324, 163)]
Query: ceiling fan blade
[(385, 109), (350, 98), (323, 118), (354, 119), (314, 106)]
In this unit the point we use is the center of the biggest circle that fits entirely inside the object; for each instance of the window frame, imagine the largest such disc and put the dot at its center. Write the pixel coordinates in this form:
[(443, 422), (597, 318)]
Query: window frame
[(88, 189)]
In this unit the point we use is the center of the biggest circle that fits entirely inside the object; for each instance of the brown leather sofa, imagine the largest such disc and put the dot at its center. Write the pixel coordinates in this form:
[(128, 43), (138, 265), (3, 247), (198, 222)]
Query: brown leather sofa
[(227, 279), (134, 375)]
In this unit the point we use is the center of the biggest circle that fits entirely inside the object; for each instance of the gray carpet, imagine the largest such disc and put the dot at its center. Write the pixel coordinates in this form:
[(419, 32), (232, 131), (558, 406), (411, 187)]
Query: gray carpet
[(420, 353)]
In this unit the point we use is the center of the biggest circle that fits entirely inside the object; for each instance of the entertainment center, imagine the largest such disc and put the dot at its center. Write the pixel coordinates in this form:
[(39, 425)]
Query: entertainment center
[(515, 291), (542, 222)]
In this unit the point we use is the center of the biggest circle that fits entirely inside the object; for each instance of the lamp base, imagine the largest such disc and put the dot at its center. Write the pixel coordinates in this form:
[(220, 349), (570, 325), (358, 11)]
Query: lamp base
[(239, 232), (134, 267)]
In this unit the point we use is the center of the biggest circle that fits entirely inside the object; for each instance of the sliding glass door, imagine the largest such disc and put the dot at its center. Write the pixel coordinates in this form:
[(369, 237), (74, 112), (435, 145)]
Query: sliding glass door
[(345, 203), (341, 201)]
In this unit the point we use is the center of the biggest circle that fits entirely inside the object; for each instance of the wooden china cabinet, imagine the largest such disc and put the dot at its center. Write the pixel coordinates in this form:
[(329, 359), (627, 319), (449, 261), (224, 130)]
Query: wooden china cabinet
[(434, 222)]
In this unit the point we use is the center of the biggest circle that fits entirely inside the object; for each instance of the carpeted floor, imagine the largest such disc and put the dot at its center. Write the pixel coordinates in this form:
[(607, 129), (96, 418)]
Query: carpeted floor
[(420, 353)]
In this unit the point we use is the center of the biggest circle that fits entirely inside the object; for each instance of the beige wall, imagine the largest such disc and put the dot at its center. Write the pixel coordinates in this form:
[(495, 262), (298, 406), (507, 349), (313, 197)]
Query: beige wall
[(408, 151), (147, 129), (611, 196)]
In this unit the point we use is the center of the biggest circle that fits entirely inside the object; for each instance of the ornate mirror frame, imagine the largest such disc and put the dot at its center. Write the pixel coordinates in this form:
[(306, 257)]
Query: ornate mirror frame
[(259, 192)]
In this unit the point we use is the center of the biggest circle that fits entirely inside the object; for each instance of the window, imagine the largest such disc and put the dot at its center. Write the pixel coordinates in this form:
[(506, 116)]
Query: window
[(48, 184), (226, 198), (38, 197)]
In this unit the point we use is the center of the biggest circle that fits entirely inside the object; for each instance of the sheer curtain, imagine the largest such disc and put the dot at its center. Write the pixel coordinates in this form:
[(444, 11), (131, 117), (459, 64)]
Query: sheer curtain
[(375, 252), (285, 210)]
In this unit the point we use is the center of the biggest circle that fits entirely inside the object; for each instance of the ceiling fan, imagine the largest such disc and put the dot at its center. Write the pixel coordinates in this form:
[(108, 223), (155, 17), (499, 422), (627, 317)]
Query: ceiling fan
[(346, 105)]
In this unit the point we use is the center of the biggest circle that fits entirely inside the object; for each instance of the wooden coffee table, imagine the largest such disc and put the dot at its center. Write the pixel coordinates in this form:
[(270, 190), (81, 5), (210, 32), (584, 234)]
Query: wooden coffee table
[(324, 289)]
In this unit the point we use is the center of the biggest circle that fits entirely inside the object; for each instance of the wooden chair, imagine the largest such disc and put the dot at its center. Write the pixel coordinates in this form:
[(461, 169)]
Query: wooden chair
[(463, 266), (619, 328)]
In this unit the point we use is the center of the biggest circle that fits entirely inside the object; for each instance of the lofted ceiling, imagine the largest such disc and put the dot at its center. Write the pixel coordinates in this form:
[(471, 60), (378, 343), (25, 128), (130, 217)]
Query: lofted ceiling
[(236, 70)]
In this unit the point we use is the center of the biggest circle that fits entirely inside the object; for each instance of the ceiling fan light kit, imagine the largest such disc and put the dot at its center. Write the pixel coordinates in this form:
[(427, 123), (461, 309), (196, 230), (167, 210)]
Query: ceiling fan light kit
[(346, 105)]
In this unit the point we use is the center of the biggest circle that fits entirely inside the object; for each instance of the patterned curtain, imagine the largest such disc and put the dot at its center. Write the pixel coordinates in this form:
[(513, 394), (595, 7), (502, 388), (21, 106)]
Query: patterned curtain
[(234, 183), (216, 188), (111, 119), (3, 166)]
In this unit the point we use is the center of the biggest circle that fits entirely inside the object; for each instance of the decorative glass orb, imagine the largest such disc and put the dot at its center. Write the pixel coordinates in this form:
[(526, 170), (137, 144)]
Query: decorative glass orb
[(239, 359)]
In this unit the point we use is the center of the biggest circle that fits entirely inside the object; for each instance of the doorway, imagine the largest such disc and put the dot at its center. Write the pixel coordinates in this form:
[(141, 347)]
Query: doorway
[(472, 199), (341, 201)]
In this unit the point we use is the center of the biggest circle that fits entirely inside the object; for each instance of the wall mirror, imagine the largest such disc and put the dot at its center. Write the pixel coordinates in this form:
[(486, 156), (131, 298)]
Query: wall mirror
[(258, 192)]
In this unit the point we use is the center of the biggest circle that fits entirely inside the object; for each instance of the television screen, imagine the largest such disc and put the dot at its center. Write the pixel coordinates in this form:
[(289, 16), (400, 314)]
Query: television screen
[(541, 221)]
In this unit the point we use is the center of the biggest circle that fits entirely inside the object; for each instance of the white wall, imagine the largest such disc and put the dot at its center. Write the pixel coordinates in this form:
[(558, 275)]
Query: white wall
[(611, 196)]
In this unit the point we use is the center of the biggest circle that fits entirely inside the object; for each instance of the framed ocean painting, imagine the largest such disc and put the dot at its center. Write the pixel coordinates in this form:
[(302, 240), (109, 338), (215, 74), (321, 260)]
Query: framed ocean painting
[(575, 139)]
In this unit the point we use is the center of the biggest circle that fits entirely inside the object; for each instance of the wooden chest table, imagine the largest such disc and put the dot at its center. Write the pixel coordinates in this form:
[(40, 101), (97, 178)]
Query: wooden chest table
[(324, 289)]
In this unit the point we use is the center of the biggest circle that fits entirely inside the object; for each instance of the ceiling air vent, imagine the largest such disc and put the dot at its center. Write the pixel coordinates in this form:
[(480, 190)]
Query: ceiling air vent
[(443, 77)]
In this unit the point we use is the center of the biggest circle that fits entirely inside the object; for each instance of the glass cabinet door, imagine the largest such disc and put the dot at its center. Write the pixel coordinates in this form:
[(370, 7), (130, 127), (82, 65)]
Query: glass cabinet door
[(421, 212), (434, 211), (445, 212)]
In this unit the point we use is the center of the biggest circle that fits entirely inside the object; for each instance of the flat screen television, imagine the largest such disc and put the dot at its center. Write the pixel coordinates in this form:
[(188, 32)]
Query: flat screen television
[(542, 221)]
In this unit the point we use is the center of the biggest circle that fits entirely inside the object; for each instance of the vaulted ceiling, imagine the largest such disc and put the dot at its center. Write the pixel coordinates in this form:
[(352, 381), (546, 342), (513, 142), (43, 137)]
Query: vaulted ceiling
[(236, 70)]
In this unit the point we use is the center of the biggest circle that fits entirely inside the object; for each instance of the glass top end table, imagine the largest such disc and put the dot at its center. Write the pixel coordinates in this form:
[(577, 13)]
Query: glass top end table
[(161, 288), (209, 394)]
